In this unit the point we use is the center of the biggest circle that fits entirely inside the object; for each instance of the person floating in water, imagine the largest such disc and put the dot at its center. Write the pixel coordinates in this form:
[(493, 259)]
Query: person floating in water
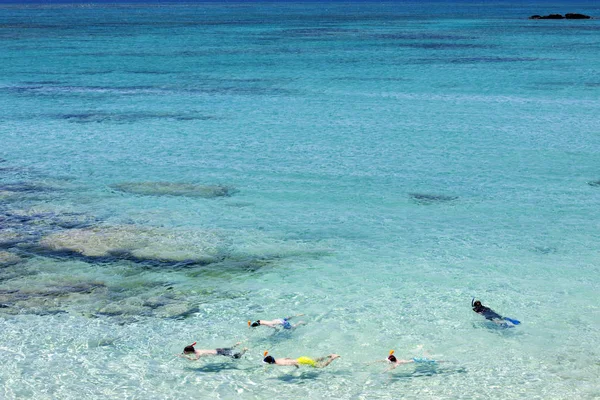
[(490, 314), (391, 358), (191, 353), (321, 362), (283, 322)]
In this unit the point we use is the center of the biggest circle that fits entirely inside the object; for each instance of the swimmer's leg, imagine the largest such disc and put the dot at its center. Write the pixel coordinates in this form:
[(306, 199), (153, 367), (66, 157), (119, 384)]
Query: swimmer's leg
[(325, 361), (298, 324), (241, 353)]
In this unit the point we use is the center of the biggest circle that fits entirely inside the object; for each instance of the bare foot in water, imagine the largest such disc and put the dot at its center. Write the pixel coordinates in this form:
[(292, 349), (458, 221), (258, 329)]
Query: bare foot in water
[(325, 361)]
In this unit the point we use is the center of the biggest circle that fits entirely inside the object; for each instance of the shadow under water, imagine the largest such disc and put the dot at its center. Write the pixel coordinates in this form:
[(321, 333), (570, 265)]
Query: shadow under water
[(298, 378), (427, 370), (501, 329), (215, 367)]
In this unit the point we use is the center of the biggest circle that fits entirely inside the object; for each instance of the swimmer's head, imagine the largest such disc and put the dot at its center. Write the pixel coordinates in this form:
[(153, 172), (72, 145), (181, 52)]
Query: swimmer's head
[(268, 359), (477, 303), (392, 357), (254, 324), (189, 349)]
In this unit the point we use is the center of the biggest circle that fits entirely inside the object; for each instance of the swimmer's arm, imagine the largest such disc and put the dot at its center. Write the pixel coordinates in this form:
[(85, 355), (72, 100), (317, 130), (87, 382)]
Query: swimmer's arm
[(400, 362), (377, 361), (192, 358), (393, 366)]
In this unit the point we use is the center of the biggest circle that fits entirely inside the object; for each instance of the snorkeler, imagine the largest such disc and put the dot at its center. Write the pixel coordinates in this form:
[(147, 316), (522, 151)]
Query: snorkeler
[(391, 358), (283, 322), (191, 353), (321, 362), (490, 314)]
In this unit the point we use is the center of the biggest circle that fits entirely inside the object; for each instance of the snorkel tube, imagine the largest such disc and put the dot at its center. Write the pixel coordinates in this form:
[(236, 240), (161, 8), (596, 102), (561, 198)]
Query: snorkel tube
[(391, 357), (268, 359), (189, 349)]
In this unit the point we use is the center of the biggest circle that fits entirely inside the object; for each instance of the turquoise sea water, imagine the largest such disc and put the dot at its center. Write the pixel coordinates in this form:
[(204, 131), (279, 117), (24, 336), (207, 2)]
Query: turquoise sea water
[(169, 172)]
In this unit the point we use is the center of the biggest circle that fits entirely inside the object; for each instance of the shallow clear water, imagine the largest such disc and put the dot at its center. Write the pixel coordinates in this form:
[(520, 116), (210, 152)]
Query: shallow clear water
[(169, 172)]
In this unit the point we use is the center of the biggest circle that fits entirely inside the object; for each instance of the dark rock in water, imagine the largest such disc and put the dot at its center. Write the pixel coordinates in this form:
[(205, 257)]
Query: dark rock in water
[(174, 189), (551, 16), (577, 16), (559, 16), (594, 183), (423, 198)]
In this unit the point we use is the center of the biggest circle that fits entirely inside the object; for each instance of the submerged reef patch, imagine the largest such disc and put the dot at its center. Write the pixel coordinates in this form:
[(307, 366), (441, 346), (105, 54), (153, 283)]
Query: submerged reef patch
[(24, 227), (7, 258), (11, 237), (23, 187), (122, 118), (545, 249), (426, 199), (138, 244), (174, 189), (8, 296), (47, 218)]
